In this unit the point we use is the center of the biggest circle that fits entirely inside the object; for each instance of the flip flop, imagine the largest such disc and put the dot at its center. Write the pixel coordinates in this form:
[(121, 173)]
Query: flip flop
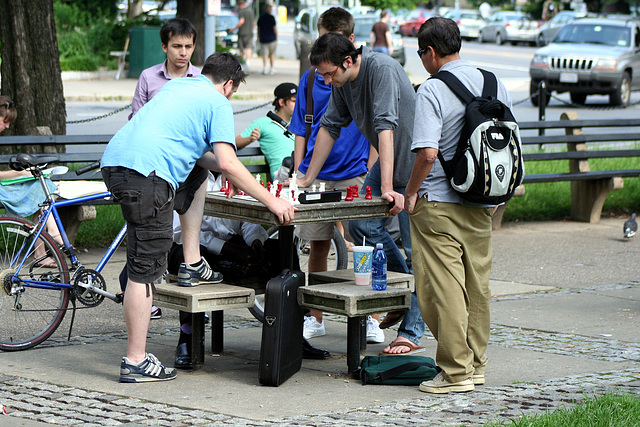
[(414, 348), (391, 319)]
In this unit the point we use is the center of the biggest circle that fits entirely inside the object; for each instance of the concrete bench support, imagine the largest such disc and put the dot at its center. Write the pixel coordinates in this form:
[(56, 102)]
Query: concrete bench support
[(200, 299), (342, 296)]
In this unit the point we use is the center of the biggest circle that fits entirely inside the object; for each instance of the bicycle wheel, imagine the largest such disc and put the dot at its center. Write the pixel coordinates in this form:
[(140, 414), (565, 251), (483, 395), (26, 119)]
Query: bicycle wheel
[(28, 316), (338, 259)]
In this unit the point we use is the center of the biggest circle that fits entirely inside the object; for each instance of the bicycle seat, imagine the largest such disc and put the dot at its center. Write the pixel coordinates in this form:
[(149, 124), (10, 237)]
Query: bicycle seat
[(23, 161)]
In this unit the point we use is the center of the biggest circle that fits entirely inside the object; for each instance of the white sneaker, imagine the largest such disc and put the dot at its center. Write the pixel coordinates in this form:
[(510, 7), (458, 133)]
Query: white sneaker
[(439, 385), (265, 71), (375, 335), (312, 328), (273, 71)]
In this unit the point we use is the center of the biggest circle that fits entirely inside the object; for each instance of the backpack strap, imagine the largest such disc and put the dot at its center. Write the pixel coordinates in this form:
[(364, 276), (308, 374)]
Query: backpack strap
[(308, 117), (394, 372), (455, 85), (490, 87)]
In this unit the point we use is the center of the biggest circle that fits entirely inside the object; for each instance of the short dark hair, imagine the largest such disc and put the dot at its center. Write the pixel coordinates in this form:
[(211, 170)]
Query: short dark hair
[(8, 110), (337, 20), (177, 27), (333, 48), (442, 34), (383, 14), (223, 66)]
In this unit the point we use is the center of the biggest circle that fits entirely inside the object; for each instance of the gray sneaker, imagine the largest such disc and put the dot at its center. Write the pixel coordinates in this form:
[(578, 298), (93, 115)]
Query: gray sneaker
[(192, 276), (150, 369)]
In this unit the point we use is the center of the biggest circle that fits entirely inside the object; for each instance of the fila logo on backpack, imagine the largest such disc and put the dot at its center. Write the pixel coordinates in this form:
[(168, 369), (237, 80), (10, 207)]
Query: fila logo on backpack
[(487, 165)]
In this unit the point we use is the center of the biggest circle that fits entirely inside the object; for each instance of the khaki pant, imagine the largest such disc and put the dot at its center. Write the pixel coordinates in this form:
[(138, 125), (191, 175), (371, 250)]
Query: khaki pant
[(452, 263)]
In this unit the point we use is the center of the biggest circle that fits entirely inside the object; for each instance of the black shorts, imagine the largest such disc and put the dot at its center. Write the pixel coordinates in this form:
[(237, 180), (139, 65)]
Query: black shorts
[(147, 205)]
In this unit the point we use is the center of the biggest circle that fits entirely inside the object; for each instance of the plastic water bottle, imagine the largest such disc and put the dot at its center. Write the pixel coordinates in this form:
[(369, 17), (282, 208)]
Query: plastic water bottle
[(379, 269)]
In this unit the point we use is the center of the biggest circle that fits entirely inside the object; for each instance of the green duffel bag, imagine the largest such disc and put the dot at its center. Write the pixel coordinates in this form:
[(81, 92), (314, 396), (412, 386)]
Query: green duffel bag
[(397, 370)]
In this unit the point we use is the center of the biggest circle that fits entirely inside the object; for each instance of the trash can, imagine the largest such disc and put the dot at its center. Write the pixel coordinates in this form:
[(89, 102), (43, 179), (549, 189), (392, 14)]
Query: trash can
[(145, 49)]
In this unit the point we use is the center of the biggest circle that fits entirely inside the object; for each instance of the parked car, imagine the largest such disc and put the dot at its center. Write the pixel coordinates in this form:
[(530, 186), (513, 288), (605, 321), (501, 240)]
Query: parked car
[(225, 21), (469, 22), (507, 26), (362, 30), (549, 30), (590, 56), (413, 21), (306, 28)]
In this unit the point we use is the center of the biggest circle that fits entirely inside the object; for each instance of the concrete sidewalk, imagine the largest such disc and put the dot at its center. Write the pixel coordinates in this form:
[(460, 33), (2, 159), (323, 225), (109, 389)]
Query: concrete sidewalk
[(564, 323)]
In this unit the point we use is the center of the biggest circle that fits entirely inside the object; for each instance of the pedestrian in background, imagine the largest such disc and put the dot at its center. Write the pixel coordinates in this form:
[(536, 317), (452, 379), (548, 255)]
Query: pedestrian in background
[(268, 37), (245, 33), (380, 36)]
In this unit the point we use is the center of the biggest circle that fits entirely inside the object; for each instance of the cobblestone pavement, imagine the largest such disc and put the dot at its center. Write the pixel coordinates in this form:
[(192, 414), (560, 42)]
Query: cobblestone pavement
[(64, 405)]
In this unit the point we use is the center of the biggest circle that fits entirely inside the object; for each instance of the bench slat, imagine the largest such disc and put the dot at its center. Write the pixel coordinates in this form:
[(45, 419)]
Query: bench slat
[(564, 139), (580, 176), (580, 155)]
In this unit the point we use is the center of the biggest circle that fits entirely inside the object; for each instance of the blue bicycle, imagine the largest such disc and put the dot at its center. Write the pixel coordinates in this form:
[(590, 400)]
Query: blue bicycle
[(37, 285)]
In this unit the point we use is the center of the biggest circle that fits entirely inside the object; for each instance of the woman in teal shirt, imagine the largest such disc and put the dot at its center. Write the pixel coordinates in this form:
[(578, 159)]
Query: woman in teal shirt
[(274, 144)]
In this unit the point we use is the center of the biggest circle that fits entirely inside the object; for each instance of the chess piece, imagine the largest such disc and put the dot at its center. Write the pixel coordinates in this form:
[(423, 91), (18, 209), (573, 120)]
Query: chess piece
[(349, 197), (368, 195), (313, 188), (355, 191), (322, 187), (269, 186)]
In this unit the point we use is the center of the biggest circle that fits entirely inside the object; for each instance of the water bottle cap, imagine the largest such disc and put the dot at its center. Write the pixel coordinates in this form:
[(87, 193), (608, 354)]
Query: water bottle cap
[(378, 245)]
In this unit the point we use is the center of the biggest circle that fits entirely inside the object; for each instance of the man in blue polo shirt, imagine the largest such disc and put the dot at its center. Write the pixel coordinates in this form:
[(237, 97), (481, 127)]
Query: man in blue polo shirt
[(147, 167)]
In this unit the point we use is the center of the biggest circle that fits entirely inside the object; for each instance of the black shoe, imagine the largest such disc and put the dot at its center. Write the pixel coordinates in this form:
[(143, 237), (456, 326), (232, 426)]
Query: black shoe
[(183, 358), (310, 352)]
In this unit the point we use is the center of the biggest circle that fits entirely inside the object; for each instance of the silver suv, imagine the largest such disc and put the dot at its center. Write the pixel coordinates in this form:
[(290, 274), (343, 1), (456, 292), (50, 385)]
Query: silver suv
[(590, 56)]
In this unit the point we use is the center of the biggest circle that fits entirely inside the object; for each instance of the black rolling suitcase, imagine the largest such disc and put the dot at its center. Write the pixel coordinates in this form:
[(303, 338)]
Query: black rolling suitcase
[(281, 347)]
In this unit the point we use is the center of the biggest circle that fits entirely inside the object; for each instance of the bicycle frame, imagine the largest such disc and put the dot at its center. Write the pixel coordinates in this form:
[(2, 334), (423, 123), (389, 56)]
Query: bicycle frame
[(50, 207)]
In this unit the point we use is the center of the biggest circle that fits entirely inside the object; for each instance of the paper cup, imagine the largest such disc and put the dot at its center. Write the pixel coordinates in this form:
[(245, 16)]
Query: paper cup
[(362, 256)]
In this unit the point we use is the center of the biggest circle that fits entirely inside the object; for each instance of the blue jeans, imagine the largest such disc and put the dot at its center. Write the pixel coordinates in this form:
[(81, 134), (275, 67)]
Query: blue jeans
[(374, 231), (381, 49)]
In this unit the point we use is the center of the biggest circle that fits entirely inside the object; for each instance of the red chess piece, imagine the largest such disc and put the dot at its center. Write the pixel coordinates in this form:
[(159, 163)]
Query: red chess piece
[(227, 191), (293, 195), (349, 197), (262, 183), (269, 186), (279, 190), (355, 191), (368, 195)]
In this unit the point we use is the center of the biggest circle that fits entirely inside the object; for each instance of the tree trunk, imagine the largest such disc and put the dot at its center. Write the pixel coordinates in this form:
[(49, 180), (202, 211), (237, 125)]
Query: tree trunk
[(31, 66), (193, 10)]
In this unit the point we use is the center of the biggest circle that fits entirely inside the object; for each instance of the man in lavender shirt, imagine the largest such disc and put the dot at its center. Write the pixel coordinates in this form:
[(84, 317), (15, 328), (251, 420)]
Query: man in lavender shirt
[(178, 38)]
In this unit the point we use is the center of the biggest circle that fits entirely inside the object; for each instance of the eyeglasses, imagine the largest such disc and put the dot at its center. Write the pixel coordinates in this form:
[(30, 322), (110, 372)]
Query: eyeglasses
[(421, 51), (327, 75), (235, 74), (7, 105)]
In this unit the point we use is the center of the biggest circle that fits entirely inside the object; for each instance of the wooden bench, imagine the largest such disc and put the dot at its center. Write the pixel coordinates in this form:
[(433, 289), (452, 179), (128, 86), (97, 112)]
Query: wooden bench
[(336, 292), (214, 298), (606, 138), (92, 149)]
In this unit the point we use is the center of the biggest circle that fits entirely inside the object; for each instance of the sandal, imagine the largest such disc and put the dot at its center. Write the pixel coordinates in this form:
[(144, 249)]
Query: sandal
[(413, 348), (391, 319)]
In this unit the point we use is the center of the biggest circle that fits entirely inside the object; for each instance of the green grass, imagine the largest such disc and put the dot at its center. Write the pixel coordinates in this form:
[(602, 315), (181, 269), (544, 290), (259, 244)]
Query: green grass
[(608, 410)]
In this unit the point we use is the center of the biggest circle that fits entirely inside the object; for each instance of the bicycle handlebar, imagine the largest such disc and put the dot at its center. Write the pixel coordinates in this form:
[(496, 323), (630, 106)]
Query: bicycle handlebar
[(90, 167)]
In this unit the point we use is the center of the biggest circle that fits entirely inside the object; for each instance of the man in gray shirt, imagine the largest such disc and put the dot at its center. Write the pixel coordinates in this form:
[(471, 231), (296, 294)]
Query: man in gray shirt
[(246, 22), (451, 238), (374, 91)]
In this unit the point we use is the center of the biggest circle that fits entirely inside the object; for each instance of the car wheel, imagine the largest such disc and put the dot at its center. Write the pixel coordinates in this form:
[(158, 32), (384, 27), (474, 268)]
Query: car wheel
[(499, 39), (622, 95), (480, 37), (297, 48), (533, 91), (578, 98), (540, 40)]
